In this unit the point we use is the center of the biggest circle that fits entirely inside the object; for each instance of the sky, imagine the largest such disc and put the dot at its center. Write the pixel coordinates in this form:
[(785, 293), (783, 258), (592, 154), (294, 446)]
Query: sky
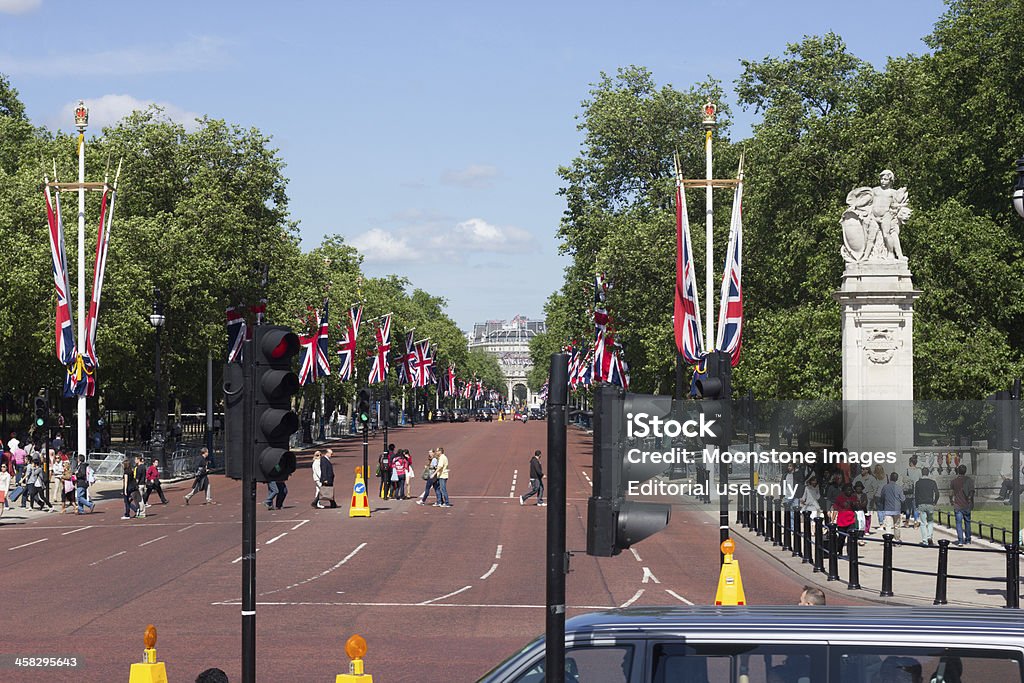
[(427, 134)]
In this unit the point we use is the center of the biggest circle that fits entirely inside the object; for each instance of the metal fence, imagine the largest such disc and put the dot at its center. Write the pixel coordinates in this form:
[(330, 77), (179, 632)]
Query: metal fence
[(180, 462)]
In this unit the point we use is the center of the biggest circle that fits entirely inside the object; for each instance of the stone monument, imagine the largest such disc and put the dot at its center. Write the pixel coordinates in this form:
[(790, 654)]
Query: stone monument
[(877, 299)]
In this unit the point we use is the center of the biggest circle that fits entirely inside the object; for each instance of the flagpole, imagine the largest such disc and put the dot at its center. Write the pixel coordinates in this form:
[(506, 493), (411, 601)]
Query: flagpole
[(709, 251), (81, 123)]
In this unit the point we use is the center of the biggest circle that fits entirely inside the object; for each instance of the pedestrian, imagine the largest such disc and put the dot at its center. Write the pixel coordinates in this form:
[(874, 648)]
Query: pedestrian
[(845, 509), (129, 489), (213, 675), (876, 504), (153, 482), (67, 485), (56, 471), (962, 496), (140, 483), (202, 478), (398, 475), (911, 476), (892, 498), (277, 491), (82, 486), (859, 510), (811, 595), (5, 485), (384, 467), (20, 461), (410, 475), (317, 483), (442, 473), (326, 492), (429, 477), (926, 491), (37, 485), (811, 501), (870, 486), (536, 481)]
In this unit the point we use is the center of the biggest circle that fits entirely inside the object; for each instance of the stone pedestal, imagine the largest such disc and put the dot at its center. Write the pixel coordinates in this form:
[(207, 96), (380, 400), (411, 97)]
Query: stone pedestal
[(877, 301)]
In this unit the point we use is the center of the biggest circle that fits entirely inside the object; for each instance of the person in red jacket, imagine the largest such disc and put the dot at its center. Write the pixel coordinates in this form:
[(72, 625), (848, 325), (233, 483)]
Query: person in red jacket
[(153, 483), (845, 510)]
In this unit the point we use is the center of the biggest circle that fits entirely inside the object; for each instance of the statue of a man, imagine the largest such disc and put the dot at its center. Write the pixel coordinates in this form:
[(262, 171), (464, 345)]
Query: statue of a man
[(871, 224)]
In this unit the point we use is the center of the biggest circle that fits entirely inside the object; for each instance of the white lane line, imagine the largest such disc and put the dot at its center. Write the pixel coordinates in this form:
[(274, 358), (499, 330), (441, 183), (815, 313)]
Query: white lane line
[(515, 477), (633, 599), (75, 531), (587, 477), (427, 602), (25, 545), (299, 524), (649, 576), (187, 527), (635, 554), (93, 564), (239, 559), (497, 555), (277, 537), (677, 596), (236, 603), (153, 541), (323, 573), (489, 571)]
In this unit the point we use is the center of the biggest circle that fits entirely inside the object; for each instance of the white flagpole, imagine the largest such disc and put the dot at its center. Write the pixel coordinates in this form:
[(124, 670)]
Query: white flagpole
[(709, 250), (81, 124)]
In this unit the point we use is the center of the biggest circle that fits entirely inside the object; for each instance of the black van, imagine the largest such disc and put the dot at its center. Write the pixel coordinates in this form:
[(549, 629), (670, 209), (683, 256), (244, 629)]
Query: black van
[(790, 644)]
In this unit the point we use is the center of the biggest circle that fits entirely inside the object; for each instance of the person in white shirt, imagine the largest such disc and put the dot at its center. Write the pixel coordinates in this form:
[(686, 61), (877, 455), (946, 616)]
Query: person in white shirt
[(812, 497), (316, 479)]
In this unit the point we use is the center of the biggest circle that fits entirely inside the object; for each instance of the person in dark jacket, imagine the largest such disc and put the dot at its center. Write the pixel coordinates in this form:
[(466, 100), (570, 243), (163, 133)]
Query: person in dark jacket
[(326, 478), (926, 493), (536, 481), (202, 480)]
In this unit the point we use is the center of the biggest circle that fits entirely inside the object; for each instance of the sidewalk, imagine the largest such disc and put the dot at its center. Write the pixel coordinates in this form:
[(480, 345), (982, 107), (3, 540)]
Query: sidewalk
[(105, 491), (908, 589)]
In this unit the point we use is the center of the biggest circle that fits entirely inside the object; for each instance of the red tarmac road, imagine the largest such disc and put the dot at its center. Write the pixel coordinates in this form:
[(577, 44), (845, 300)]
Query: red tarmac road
[(439, 594)]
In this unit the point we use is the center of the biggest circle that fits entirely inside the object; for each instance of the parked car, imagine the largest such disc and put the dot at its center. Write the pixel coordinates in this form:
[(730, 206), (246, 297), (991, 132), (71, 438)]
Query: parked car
[(536, 414)]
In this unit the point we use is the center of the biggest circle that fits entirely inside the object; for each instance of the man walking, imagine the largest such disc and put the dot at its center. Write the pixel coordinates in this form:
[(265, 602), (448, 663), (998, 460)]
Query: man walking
[(963, 502), (140, 485), (277, 491), (82, 486), (202, 480), (926, 492), (892, 505), (536, 481), (326, 492), (442, 479), (153, 483)]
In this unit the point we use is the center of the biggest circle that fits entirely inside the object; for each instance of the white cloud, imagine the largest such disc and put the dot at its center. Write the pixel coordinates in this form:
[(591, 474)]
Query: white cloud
[(474, 176), (431, 240), (109, 109), (195, 54), (19, 6)]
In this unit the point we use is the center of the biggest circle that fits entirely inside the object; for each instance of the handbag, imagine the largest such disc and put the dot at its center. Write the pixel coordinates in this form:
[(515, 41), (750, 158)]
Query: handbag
[(426, 473), (394, 475), (327, 493)]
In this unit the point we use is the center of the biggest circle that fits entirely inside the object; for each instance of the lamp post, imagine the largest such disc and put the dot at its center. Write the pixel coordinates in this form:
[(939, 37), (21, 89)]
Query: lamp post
[(157, 320), (1018, 204)]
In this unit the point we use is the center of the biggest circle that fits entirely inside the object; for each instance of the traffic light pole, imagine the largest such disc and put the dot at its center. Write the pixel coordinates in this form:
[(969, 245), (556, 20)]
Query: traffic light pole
[(249, 520), (366, 451), (1013, 597), (557, 560)]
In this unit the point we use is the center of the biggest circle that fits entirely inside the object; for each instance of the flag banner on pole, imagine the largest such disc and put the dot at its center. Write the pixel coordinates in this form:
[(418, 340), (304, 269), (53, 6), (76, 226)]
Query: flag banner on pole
[(730, 315), (236, 332), (424, 364), (314, 363), (544, 391), (574, 366), (379, 369), (450, 382), (689, 337), (260, 310), (619, 372), (479, 390), (75, 382), (406, 364), (347, 345)]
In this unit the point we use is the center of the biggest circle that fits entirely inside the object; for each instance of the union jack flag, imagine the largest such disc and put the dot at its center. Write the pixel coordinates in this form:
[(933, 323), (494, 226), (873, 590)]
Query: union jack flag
[(730, 315), (689, 338), (379, 369), (92, 316), (619, 372), (424, 364), (450, 382), (236, 333), (347, 345), (75, 383), (467, 390), (406, 366), (479, 390), (314, 361), (544, 391), (260, 310)]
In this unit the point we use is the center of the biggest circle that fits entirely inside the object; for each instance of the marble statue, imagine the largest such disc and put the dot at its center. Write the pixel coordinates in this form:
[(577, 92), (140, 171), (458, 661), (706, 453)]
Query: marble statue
[(872, 222)]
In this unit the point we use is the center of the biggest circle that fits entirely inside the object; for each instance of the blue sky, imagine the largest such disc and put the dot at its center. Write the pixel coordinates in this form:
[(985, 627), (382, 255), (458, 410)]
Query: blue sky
[(428, 134)]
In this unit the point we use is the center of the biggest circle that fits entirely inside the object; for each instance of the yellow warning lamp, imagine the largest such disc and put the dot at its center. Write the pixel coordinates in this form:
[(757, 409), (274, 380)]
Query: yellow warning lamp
[(149, 670), (359, 471), (149, 638), (355, 648), (728, 546)]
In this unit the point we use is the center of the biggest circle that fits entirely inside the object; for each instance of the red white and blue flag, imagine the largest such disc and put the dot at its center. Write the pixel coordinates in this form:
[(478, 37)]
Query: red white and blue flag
[(92, 316), (450, 382), (686, 319), (347, 345), (730, 314), (379, 368), (407, 363), (314, 363), (479, 390), (236, 332), (424, 364), (75, 382)]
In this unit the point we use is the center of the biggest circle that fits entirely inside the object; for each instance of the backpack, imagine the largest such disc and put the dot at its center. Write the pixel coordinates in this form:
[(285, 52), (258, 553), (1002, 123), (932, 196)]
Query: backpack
[(90, 475)]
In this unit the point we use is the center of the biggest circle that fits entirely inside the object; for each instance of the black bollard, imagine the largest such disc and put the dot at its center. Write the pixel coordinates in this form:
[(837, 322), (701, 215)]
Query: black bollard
[(942, 573), (778, 523), (769, 519), (886, 591), (1012, 582), (833, 552), (819, 545), (854, 554), (787, 521), (807, 537), (760, 515)]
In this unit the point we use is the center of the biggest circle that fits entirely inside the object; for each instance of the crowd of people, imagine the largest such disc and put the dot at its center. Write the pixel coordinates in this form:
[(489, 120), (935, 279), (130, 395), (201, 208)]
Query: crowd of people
[(855, 497)]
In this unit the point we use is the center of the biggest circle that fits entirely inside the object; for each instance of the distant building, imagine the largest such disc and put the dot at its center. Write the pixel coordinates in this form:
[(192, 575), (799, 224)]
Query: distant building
[(509, 342)]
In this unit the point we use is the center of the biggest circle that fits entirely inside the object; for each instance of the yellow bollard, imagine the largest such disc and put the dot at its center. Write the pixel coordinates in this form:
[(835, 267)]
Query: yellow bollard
[(355, 648), (149, 670), (360, 506), (730, 584)]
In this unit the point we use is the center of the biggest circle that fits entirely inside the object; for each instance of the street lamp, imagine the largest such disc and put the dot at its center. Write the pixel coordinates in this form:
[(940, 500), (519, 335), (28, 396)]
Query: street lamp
[(157, 320)]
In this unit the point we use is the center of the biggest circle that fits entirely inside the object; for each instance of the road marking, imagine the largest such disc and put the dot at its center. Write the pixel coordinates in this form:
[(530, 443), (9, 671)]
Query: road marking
[(277, 537), (427, 602), (497, 555), (188, 527), (515, 477), (25, 545), (75, 531), (299, 524), (633, 599), (677, 596), (153, 541), (236, 561), (635, 554), (323, 573), (489, 571), (108, 558), (648, 575), (587, 477)]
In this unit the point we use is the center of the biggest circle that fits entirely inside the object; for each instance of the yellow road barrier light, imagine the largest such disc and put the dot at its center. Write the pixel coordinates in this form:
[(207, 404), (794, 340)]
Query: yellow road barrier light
[(148, 670), (355, 648), (730, 584)]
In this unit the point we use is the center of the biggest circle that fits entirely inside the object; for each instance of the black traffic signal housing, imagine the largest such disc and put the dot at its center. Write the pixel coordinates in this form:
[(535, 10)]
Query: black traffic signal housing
[(274, 383), (42, 412), (613, 522), (363, 407), (715, 388), (1002, 427), (234, 419)]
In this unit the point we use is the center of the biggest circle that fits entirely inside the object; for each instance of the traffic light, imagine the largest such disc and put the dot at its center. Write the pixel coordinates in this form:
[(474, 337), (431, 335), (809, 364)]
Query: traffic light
[(363, 407), (42, 411), (613, 522), (234, 419), (274, 383), (715, 388)]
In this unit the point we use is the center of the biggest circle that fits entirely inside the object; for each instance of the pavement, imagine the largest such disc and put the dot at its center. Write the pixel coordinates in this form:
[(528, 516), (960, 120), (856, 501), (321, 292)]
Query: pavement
[(908, 589)]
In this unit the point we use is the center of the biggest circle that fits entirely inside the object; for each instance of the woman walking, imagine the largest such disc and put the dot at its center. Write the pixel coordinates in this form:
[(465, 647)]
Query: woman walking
[(5, 485), (153, 483), (129, 489)]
